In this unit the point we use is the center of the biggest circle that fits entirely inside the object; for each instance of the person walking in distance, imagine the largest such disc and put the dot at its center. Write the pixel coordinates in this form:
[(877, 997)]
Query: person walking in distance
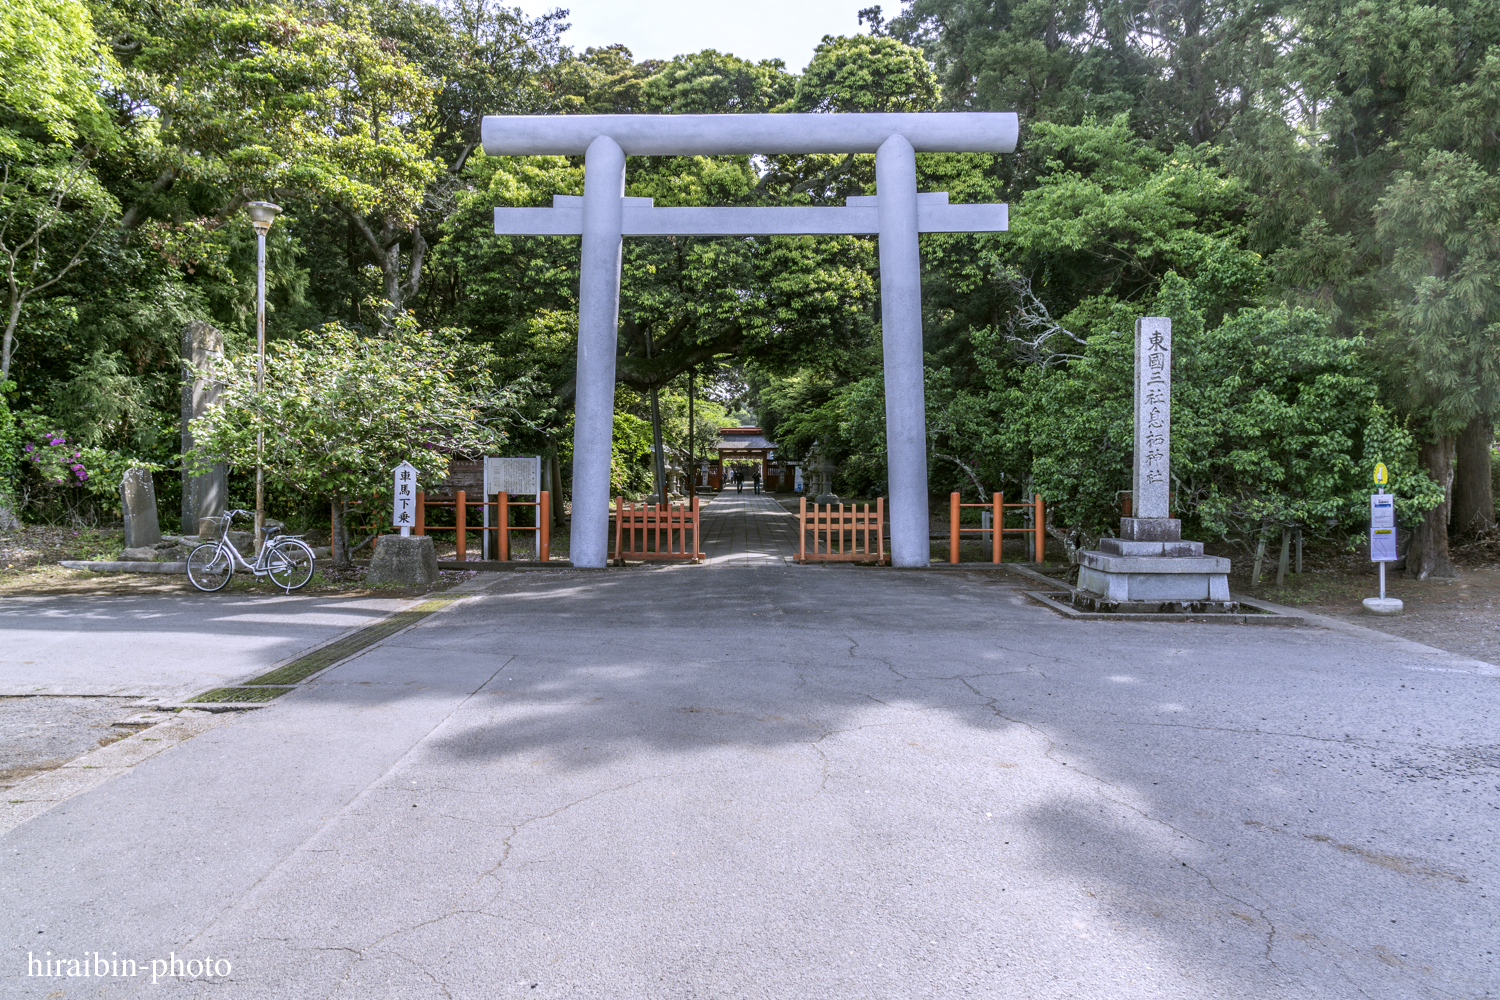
[(757, 480), (739, 481)]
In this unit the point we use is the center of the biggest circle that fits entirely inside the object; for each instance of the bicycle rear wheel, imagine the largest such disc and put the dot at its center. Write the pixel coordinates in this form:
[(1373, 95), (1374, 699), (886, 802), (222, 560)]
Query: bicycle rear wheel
[(290, 563), (209, 567)]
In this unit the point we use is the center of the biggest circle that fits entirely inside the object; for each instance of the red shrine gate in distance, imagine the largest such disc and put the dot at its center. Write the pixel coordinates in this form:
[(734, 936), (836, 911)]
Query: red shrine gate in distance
[(745, 448)]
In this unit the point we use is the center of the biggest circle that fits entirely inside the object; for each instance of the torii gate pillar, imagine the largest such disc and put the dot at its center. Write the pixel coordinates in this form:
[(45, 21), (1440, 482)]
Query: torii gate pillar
[(598, 342), (603, 216), (901, 344)]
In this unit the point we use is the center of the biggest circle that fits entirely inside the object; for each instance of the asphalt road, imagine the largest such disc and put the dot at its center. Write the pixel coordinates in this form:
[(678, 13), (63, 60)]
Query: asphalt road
[(165, 646), (799, 783)]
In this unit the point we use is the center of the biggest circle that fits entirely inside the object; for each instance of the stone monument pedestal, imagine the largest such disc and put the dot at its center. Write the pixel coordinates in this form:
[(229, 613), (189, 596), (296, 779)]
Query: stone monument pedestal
[(407, 561), (1152, 576)]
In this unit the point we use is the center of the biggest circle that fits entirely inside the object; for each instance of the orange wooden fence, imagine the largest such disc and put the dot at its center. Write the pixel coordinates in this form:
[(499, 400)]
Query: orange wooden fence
[(840, 535), (502, 527), (997, 507), (657, 531)]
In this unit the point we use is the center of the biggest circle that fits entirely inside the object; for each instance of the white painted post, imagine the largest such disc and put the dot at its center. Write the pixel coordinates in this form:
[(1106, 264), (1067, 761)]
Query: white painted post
[(901, 340), (598, 340)]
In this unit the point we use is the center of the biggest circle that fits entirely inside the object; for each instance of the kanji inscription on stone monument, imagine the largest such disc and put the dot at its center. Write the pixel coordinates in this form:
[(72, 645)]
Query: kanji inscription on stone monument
[(1153, 417)]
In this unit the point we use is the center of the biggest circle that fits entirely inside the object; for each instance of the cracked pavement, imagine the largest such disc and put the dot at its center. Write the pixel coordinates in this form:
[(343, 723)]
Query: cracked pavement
[(700, 782)]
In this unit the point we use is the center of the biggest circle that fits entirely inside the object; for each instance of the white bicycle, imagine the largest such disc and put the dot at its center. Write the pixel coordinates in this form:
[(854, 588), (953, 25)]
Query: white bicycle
[(286, 559)]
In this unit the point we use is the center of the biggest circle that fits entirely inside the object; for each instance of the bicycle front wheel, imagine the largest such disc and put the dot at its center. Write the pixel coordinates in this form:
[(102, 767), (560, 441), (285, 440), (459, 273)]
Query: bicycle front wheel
[(209, 567), (290, 564)]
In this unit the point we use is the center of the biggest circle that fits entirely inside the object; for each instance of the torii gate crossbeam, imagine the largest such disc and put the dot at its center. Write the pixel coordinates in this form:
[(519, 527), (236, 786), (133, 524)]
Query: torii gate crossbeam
[(603, 215)]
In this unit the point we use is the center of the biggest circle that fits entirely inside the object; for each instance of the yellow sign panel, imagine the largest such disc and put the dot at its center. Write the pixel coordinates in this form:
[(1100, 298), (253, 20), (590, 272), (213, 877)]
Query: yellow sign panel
[(1381, 475)]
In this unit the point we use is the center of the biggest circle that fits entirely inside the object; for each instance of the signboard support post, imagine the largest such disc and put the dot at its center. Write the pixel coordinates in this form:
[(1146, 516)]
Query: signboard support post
[(1382, 542)]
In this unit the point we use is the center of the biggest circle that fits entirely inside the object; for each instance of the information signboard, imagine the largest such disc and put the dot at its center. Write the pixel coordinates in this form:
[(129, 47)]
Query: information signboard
[(513, 476), (1382, 528)]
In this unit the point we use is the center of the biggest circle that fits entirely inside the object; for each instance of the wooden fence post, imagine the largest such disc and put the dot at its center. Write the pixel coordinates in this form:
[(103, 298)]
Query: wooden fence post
[(1040, 523), (999, 527), (460, 518), (421, 526), (953, 499), (544, 523), (996, 515), (619, 529), (502, 520), (802, 530)]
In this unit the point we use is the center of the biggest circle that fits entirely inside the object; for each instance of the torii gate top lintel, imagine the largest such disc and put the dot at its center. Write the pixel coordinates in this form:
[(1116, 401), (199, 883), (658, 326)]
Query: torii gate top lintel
[(726, 135), (896, 213)]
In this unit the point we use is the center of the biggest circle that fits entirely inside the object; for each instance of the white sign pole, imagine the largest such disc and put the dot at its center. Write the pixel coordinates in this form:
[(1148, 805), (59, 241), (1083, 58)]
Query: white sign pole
[(1382, 545), (404, 497)]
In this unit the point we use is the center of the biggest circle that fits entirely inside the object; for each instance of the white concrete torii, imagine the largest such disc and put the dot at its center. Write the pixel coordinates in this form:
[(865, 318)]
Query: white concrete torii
[(897, 213)]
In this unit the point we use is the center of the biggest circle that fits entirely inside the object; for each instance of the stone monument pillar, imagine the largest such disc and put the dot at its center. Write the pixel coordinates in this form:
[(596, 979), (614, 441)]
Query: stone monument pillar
[(1149, 568), (202, 495)]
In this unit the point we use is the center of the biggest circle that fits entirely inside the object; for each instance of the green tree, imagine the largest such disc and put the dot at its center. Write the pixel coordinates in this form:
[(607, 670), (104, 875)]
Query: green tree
[(864, 73), (711, 82), (52, 212), (1351, 118), (339, 411), (1441, 336), (51, 63)]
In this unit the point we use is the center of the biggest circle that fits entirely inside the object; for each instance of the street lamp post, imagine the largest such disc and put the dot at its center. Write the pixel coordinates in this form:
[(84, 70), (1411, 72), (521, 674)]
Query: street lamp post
[(262, 214)]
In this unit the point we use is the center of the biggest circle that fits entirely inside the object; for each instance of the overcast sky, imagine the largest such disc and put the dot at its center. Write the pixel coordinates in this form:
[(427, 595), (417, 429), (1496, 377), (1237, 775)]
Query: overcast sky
[(661, 29)]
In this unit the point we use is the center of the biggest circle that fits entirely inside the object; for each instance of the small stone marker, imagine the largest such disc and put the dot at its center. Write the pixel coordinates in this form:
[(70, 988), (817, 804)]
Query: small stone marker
[(138, 501), (404, 497), (406, 560)]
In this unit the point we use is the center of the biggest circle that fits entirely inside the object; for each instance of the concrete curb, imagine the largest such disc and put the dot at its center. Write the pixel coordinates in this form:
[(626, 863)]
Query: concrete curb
[(1375, 635), (125, 567), (1456, 661), (41, 792), (495, 566), (1267, 617)]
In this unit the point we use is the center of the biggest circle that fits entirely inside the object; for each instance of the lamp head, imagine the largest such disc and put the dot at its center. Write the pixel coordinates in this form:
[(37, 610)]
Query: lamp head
[(262, 214)]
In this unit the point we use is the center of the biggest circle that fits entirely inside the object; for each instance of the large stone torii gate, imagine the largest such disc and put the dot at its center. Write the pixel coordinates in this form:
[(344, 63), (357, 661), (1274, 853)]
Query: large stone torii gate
[(603, 215)]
